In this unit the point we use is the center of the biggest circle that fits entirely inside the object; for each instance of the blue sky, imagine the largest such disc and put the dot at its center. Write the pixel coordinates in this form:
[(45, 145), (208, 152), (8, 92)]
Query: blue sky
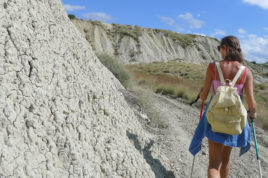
[(216, 18)]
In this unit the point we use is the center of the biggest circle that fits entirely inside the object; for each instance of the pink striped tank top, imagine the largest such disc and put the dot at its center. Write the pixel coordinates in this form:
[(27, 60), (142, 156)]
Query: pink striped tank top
[(217, 83)]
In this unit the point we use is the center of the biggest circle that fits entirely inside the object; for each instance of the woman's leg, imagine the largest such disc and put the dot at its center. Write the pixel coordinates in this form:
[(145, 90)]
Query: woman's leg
[(215, 150), (219, 160), (225, 164)]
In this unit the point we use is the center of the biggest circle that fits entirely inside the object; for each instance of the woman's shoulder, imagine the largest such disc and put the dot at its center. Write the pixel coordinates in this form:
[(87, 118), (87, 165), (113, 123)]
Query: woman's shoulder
[(247, 70), (249, 73)]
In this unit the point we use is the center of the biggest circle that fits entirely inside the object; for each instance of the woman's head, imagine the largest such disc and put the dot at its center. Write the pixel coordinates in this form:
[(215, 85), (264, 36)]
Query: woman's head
[(230, 49)]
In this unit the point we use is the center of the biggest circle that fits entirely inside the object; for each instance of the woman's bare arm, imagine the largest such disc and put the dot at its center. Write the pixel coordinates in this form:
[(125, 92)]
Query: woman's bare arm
[(250, 95), (207, 85)]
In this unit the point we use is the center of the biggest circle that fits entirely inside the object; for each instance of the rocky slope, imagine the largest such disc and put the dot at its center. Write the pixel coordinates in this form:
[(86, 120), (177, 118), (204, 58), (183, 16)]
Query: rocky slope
[(62, 114), (135, 44)]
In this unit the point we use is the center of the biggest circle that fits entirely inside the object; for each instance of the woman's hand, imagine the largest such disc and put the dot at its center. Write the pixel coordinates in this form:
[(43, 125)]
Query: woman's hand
[(252, 115)]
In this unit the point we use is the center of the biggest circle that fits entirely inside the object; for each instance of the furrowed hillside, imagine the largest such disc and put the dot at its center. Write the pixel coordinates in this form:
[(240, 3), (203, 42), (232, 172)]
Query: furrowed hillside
[(133, 44)]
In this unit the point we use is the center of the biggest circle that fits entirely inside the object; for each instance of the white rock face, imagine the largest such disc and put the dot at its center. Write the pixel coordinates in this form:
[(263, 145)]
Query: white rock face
[(134, 44), (62, 114)]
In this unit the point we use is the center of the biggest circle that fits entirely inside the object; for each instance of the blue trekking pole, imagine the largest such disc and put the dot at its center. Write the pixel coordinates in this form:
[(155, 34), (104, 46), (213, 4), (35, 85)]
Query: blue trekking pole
[(256, 146)]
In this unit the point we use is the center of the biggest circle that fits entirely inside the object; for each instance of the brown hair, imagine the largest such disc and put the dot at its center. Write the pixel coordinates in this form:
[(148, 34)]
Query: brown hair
[(233, 51)]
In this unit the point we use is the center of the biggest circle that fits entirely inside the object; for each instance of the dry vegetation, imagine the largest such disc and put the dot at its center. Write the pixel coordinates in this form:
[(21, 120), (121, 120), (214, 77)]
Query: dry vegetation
[(184, 80), (184, 39), (174, 78), (117, 68), (178, 79)]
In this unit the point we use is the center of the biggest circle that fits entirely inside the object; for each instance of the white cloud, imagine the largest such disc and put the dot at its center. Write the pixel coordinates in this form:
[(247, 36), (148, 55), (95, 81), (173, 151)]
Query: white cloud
[(241, 31), (265, 28), (178, 29), (101, 16), (240, 36), (190, 20), (167, 20), (182, 23), (218, 32), (255, 48), (261, 3), (171, 22), (70, 8)]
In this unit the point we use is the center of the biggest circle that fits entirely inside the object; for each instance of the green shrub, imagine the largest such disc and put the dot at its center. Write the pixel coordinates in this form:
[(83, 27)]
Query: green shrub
[(181, 93), (144, 82), (261, 86), (71, 16), (127, 30), (184, 39), (265, 74), (165, 90), (116, 68)]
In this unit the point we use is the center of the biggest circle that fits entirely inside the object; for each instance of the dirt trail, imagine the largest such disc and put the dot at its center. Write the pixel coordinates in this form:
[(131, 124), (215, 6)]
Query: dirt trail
[(171, 143)]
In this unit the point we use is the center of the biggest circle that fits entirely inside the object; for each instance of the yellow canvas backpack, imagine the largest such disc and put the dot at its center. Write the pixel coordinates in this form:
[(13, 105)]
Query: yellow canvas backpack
[(226, 112)]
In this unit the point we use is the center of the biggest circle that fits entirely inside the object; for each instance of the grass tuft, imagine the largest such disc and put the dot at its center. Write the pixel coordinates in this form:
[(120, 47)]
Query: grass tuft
[(181, 93), (116, 68), (165, 90)]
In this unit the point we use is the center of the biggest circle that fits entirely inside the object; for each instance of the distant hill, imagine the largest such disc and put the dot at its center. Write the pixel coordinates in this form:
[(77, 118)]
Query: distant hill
[(134, 44), (260, 71)]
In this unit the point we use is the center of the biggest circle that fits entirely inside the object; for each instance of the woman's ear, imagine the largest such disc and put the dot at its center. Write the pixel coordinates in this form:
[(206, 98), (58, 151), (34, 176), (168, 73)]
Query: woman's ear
[(225, 50), (224, 47)]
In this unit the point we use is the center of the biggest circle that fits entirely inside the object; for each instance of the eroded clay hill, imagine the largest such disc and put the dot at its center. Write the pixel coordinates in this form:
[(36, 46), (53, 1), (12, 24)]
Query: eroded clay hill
[(134, 44), (62, 112)]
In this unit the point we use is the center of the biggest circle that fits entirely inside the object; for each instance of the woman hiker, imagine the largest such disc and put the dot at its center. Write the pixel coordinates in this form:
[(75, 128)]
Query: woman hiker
[(220, 144)]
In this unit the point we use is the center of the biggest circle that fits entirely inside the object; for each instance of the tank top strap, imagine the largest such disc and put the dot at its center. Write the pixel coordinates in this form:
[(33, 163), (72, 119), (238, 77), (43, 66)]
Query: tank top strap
[(244, 76), (212, 70)]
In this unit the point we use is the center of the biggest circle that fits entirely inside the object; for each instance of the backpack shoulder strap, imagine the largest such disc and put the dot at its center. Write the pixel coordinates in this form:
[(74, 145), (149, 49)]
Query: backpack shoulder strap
[(237, 75), (220, 73)]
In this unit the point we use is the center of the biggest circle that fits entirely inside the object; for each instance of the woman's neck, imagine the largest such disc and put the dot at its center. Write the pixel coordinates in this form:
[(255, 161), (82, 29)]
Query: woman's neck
[(229, 61)]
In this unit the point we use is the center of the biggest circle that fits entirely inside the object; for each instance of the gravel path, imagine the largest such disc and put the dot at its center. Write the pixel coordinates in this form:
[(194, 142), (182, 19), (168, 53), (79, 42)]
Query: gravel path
[(177, 122)]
